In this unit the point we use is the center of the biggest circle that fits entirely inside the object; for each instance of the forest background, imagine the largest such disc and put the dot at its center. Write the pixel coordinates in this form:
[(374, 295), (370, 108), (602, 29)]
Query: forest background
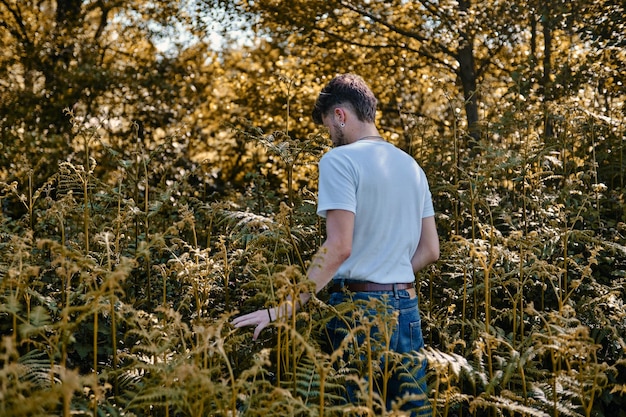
[(158, 175)]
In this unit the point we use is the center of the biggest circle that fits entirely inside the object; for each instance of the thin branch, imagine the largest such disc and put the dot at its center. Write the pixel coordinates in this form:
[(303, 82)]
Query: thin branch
[(396, 29)]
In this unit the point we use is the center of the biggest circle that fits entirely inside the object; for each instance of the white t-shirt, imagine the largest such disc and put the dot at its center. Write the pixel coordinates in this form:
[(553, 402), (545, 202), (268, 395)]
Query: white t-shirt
[(388, 192)]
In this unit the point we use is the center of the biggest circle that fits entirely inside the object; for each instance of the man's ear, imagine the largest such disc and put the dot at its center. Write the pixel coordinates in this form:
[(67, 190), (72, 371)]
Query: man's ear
[(340, 115)]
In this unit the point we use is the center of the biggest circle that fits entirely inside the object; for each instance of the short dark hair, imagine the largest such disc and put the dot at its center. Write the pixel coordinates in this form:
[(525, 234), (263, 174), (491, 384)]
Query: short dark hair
[(346, 89)]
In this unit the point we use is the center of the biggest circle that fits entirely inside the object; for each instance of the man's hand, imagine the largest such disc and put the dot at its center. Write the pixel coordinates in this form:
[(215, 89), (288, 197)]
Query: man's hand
[(334, 251), (260, 318)]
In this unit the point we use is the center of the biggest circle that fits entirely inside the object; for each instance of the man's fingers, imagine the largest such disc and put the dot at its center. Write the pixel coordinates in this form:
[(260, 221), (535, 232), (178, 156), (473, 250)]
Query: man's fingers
[(258, 330), (240, 321), (259, 318), (246, 320)]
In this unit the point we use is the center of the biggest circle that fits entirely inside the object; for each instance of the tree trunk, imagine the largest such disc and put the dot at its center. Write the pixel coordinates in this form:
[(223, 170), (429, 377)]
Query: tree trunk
[(467, 75), (546, 19)]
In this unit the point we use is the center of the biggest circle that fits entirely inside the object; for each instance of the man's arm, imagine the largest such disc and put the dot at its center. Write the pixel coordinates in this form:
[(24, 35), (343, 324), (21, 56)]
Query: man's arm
[(428, 248), (335, 249), (333, 252)]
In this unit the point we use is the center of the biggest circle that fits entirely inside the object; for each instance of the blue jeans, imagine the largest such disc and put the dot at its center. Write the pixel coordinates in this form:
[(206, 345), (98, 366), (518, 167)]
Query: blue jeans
[(408, 371)]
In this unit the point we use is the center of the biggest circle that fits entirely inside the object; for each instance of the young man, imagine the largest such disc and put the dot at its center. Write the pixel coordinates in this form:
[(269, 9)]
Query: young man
[(380, 225)]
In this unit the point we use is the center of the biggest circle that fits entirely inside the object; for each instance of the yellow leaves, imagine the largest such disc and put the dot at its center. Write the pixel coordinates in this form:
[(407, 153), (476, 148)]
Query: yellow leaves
[(619, 389)]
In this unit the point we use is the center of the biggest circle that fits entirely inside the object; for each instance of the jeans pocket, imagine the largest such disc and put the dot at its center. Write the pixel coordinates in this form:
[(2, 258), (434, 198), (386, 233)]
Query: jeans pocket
[(417, 340)]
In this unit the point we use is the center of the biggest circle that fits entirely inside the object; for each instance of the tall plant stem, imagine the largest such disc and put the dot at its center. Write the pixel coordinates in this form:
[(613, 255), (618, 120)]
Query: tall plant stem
[(594, 168), (522, 255), (30, 200), (290, 189), (464, 301), (279, 355), (114, 345), (621, 171), (86, 215), (473, 232), (520, 297), (226, 276), (65, 317), (194, 284), (67, 396), (294, 341), (279, 339), (323, 375), (86, 219), (118, 226), (95, 354), (290, 164), (488, 319), (487, 266), (147, 226), (457, 175), (564, 279), (113, 321), (370, 370)]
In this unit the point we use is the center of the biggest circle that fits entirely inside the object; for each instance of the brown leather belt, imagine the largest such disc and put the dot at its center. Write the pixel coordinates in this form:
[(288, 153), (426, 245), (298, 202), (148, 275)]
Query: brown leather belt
[(370, 287)]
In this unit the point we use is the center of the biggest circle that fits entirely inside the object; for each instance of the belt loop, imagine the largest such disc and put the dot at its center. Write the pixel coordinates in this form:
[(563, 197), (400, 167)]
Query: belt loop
[(395, 291)]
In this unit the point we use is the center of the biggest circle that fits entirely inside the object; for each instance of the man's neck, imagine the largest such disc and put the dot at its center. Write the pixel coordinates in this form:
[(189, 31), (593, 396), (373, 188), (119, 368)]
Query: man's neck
[(365, 131)]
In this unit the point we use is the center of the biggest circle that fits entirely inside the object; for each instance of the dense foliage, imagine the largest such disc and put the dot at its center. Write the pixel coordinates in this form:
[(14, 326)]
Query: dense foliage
[(153, 184)]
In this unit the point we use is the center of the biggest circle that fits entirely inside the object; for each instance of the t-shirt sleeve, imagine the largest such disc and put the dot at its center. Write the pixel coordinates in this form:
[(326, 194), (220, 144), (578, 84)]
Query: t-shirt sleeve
[(337, 184), (428, 209)]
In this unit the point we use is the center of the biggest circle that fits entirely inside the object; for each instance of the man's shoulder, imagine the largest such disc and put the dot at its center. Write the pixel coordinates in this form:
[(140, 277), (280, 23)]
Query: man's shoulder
[(338, 153)]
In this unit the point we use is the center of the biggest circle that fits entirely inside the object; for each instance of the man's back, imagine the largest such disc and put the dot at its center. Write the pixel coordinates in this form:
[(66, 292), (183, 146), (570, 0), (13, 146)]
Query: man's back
[(388, 192)]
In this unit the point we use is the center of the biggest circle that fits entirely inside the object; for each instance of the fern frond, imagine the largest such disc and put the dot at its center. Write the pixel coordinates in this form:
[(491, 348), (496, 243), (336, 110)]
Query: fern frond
[(452, 362), (553, 399), (308, 382), (511, 406), (250, 220), (72, 179), (37, 370)]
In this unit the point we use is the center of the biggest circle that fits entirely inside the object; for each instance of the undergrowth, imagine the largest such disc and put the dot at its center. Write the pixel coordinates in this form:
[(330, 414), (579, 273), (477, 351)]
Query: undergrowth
[(118, 285)]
